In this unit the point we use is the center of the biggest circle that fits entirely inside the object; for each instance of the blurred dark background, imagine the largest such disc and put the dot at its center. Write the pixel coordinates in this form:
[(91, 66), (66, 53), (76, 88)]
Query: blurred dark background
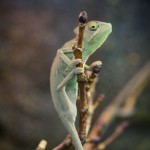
[(31, 31)]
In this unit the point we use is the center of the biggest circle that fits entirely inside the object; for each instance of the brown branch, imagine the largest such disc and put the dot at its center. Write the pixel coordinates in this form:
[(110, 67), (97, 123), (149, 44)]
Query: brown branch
[(90, 90), (137, 83), (81, 79), (92, 108), (42, 145), (118, 131), (65, 144), (130, 101)]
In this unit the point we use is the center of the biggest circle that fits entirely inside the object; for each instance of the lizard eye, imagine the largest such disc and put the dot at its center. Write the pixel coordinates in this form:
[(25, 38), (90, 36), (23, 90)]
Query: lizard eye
[(92, 26)]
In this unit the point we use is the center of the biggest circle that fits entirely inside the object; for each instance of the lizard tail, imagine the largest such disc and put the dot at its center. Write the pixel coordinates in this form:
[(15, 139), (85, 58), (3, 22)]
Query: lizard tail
[(74, 135)]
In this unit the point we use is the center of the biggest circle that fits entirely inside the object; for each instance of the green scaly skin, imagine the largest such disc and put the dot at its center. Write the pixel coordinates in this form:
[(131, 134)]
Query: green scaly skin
[(64, 98)]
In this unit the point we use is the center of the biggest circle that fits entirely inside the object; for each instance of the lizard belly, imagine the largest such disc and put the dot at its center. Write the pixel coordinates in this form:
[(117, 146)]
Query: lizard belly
[(56, 77)]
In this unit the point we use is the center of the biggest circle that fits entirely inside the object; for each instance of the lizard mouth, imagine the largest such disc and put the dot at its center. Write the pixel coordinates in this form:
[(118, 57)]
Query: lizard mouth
[(109, 28)]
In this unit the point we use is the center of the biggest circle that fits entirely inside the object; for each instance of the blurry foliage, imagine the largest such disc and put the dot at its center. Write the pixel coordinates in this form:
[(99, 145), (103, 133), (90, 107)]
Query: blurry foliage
[(32, 31)]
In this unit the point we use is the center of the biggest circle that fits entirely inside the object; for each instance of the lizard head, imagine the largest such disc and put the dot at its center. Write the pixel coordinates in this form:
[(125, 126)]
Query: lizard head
[(95, 34)]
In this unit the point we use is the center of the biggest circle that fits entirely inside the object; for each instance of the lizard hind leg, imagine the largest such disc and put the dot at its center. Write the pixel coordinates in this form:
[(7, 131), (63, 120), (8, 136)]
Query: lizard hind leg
[(68, 118), (73, 133), (70, 110)]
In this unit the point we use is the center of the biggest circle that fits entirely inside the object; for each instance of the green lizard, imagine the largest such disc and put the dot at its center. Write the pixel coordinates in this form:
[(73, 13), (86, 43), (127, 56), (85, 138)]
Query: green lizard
[(63, 81)]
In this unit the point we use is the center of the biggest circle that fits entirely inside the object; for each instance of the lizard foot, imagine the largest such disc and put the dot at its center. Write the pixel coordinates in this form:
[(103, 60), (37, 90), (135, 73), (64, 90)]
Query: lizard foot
[(95, 63)]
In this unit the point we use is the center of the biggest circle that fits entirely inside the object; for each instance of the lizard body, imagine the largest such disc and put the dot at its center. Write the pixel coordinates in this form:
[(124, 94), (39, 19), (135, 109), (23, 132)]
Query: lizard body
[(63, 80)]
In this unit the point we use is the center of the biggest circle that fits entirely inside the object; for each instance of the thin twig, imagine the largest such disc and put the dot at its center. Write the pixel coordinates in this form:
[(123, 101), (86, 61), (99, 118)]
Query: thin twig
[(130, 101), (65, 144), (92, 108), (42, 145), (81, 79), (90, 90), (118, 131)]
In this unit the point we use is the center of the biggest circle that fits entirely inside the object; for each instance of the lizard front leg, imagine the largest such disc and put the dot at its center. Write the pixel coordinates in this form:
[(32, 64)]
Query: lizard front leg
[(75, 71), (70, 63)]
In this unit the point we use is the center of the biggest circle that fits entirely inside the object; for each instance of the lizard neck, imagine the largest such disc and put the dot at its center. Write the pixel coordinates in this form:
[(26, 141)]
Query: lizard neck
[(88, 50)]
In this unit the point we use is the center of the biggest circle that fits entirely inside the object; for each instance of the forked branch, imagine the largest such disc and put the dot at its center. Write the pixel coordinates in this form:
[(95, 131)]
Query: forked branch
[(83, 106)]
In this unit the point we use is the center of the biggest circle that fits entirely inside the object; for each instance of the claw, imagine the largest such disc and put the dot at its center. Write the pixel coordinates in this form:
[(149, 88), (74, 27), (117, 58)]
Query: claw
[(94, 64)]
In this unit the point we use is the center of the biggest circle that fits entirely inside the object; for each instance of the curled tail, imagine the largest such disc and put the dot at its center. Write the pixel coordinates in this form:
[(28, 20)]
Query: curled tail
[(73, 133)]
